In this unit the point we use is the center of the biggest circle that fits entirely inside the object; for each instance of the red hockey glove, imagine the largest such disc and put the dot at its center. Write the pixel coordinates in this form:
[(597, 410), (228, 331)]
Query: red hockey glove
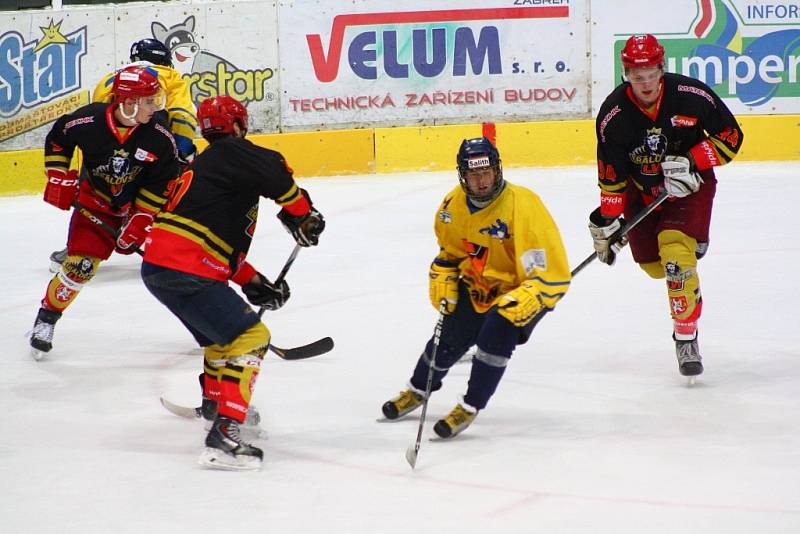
[(132, 235), (61, 188)]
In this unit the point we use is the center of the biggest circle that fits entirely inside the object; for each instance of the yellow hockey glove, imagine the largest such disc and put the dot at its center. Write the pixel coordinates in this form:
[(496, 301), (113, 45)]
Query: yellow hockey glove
[(520, 305), (443, 284)]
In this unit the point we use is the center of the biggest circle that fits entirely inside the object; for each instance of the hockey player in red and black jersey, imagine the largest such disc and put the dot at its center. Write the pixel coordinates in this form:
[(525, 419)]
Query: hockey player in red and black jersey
[(129, 160), (200, 241), (659, 132), (178, 113)]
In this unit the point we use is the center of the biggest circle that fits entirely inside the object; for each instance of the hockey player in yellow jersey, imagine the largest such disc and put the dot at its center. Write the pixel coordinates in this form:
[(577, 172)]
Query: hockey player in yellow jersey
[(181, 114), (501, 266)]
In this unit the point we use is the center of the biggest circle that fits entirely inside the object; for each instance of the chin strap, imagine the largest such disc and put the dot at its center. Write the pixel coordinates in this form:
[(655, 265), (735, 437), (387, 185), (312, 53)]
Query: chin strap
[(132, 116)]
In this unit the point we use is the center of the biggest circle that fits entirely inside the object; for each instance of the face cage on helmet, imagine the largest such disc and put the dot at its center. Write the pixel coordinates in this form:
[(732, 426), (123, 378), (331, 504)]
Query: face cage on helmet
[(493, 192)]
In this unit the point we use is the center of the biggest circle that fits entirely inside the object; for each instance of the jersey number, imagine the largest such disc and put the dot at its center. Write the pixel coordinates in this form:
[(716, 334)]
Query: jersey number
[(606, 172), (177, 188)]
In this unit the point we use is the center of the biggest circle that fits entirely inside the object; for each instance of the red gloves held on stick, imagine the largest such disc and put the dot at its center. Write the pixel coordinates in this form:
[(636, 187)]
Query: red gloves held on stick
[(132, 235)]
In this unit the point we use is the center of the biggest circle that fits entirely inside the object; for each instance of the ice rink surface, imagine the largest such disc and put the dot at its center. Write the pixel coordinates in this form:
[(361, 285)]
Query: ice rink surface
[(591, 431)]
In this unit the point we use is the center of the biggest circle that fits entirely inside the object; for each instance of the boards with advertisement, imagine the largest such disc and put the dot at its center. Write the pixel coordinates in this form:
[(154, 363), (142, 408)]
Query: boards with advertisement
[(748, 51), (51, 61), (348, 63)]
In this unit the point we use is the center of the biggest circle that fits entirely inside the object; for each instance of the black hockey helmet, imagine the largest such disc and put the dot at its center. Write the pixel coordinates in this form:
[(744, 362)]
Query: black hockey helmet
[(151, 50), (479, 153)]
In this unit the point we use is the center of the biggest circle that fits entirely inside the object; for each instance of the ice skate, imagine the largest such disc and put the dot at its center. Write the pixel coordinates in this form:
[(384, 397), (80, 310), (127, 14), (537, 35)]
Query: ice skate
[(41, 339), (406, 402), (226, 450), (689, 359), (56, 259), (250, 427), (456, 421)]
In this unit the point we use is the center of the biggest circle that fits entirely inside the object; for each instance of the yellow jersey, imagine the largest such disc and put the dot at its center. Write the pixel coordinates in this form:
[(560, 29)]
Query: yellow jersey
[(496, 248)]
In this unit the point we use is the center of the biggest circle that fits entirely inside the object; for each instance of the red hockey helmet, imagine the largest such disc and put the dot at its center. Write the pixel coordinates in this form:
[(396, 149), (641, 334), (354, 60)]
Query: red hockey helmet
[(218, 114), (642, 51), (134, 82)]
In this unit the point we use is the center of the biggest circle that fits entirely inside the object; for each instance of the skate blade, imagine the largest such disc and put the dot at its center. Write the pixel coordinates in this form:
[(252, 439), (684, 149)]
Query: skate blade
[(411, 455), (387, 420), (216, 459), (37, 354)]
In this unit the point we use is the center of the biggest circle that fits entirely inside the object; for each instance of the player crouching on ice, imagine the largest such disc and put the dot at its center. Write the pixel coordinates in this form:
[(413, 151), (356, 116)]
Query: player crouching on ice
[(199, 242), (500, 267), (128, 159), (659, 132)]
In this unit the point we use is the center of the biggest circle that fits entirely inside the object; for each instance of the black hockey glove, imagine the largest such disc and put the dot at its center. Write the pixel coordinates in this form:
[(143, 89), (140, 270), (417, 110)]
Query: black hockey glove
[(304, 228), (264, 293), (606, 235)]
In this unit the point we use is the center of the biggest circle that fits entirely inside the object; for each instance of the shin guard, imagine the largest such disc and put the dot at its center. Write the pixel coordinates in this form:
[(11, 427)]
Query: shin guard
[(237, 378), (487, 370), (75, 272), (677, 251)]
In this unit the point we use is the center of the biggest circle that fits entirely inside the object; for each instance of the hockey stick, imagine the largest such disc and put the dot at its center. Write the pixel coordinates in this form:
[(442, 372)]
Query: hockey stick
[(102, 224), (282, 274), (316, 348), (617, 236), (321, 346), (413, 450)]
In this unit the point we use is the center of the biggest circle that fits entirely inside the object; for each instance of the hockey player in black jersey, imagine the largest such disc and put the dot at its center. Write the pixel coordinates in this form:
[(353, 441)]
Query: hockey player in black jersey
[(129, 159), (200, 241), (178, 113), (658, 132)]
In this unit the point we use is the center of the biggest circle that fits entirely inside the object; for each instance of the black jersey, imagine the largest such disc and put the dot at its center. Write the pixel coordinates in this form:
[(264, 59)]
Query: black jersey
[(207, 225), (688, 119), (122, 165)]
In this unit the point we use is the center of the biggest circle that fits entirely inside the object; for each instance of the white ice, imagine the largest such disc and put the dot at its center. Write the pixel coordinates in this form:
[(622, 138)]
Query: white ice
[(591, 431)]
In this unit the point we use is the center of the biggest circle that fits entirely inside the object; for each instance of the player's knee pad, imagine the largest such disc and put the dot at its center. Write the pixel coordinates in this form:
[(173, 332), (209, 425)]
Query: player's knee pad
[(654, 269), (677, 251), (446, 355), (214, 358), (254, 340)]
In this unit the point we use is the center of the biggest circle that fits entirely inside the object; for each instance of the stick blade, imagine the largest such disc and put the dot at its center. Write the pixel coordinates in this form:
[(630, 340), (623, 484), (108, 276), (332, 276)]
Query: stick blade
[(411, 455), (311, 350), (181, 411)]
